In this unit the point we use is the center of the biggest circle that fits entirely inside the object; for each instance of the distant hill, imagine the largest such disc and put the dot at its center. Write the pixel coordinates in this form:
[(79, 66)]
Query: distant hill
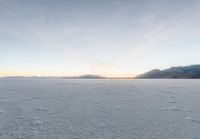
[(181, 72), (89, 76)]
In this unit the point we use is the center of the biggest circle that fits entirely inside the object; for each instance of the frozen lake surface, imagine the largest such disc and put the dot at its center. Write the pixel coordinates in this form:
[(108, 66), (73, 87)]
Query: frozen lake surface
[(99, 109)]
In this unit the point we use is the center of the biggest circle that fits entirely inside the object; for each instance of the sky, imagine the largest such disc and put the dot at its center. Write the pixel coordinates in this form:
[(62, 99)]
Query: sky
[(112, 38)]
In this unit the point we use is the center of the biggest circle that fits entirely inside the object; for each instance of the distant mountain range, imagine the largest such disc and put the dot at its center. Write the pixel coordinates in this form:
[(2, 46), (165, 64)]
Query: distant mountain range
[(181, 72)]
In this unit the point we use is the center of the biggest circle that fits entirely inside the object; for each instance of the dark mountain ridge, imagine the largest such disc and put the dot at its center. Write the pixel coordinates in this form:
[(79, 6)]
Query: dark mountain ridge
[(180, 72)]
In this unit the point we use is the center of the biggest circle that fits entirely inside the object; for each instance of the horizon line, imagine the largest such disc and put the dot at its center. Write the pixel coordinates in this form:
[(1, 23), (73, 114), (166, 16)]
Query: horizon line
[(90, 76)]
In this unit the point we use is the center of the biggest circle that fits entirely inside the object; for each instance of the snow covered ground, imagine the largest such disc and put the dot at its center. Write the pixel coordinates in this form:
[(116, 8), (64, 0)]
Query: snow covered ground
[(99, 109)]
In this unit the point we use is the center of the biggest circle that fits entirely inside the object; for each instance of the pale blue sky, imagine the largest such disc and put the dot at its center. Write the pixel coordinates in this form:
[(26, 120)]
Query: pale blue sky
[(105, 37)]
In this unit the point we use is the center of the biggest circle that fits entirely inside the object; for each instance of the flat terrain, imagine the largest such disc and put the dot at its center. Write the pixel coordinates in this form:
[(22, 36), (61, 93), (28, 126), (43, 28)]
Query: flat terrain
[(99, 109)]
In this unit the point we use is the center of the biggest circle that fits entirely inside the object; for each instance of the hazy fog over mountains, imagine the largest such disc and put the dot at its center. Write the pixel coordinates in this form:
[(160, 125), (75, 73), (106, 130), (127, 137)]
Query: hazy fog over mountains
[(186, 72)]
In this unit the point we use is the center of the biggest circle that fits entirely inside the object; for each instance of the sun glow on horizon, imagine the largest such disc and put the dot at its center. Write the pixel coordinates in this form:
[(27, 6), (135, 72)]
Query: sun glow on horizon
[(46, 74)]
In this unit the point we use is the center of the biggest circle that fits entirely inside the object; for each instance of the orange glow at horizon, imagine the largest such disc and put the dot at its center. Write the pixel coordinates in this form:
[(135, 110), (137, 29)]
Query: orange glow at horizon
[(43, 73)]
